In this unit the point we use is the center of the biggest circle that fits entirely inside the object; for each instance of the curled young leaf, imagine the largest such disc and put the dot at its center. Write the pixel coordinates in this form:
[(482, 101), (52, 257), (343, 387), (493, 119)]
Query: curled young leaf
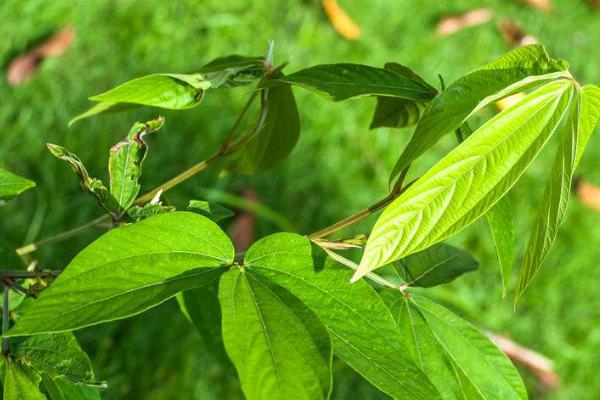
[(467, 182)]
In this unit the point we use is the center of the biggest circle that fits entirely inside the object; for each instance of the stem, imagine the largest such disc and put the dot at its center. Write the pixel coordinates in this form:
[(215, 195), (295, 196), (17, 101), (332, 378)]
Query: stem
[(26, 274), (5, 319)]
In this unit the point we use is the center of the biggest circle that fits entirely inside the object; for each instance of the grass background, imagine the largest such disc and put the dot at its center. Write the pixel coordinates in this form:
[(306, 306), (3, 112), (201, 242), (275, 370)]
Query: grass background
[(338, 166)]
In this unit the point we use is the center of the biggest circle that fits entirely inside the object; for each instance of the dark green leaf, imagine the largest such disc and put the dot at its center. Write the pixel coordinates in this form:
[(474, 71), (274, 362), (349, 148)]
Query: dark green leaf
[(213, 211), (440, 263), (278, 134), (125, 162), (63, 389), (501, 222), (93, 186), (517, 70), (21, 383), (129, 270), (232, 71), (466, 183), (55, 355), (363, 331), (271, 347), (339, 82), (138, 213), (12, 185)]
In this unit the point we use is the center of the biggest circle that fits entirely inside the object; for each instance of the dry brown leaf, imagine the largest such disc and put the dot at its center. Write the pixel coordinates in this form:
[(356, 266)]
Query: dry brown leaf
[(542, 5), (514, 35), (449, 25), (340, 20), (588, 194), (23, 67)]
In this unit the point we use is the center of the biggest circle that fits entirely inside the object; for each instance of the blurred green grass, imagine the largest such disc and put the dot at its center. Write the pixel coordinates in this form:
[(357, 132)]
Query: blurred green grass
[(338, 166)]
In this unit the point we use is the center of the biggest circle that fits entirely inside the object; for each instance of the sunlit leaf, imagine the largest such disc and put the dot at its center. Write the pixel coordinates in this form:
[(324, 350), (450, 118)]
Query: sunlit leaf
[(501, 221), (12, 185), (364, 333), (274, 343), (514, 72), (466, 183), (20, 382), (129, 270)]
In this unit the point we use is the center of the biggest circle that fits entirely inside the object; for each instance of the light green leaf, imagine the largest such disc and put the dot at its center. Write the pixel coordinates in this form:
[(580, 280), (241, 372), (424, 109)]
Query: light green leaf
[(516, 71), (270, 346), (364, 333), (588, 118), (129, 270), (125, 162), (438, 264), (554, 203), (485, 367), (93, 186), (213, 211), (63, 389), (467, 182), (339, 82), (278, 134), (12, 185), (397, 112), (55, 355), (21, 383), (501, 221), (102, 107)]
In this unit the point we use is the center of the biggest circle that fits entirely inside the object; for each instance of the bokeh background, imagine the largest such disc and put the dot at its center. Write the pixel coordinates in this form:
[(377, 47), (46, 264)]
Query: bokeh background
[(339, 166)]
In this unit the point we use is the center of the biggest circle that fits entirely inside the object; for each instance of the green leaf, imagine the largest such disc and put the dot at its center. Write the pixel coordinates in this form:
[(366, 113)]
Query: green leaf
[(138, 213), (278, 134), (555, 200), (213, 211), (21, 383), (516, 71), (588, 118), (485, 367), (438, 264), (63, 389), (103, 107), (55, 355), (467, 182), (125, 162), (364, 333), (339, 82), (129, 270), (93, 186), (12, 185), (233, 71), (396, 112), (271, 347), (501, 221)]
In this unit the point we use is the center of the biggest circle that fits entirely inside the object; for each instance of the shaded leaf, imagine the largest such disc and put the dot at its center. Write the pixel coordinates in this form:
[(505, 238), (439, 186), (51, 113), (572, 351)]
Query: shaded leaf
[(233, 71), (275, 341), (129, 270), (63, 389), (138, 213), (438, 264), (125, 162), (55, 355), (21, 383), (278, 134), (363, 331), (501, 221), (467, 182), (213, 211), (339, 82), (12, 185), (514, 72)]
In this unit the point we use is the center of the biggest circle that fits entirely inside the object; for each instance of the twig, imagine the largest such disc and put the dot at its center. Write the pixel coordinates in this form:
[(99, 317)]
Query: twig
[(5, 319)]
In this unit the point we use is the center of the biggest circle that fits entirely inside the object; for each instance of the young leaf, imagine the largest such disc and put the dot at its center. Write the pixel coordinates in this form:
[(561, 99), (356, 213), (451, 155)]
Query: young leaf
[(501, 221), (438, 264), (125, 162), (469, 180), (363, 331), (129, 270), (93, 186), (397, 112), (487, 370), (138, 213), (267, 342), (55, 355), (339, 82), (558, 189), (213, 211), (63, 389), (105, 106), (514, 72), (20, 382), (278, 135), (12, 185)]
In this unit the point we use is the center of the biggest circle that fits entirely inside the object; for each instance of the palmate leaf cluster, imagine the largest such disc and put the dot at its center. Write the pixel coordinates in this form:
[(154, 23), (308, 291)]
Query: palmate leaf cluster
[(282, 310)]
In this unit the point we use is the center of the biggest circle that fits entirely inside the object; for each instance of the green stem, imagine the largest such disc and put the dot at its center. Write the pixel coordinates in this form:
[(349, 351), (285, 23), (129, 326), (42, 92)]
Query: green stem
[(6, 274), (5, 319)]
